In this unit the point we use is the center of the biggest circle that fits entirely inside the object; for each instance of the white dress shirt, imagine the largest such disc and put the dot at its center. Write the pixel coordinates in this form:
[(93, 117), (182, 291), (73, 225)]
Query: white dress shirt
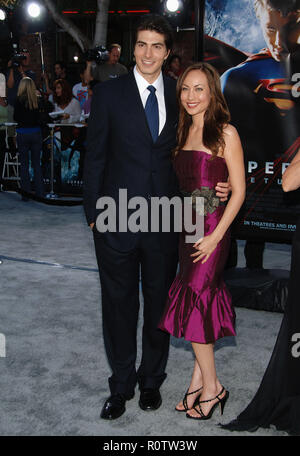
[(144, 93)]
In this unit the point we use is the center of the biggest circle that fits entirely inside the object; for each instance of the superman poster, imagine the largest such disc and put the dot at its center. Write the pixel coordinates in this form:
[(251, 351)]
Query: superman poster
[(263, 96)]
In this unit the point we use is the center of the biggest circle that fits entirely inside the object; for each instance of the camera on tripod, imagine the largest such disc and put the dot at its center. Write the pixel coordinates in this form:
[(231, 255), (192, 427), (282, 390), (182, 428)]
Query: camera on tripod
[(98, 55)]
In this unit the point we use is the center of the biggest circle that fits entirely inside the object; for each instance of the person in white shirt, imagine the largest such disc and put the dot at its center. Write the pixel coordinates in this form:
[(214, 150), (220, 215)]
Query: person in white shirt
[(80, 90), (64, 101)]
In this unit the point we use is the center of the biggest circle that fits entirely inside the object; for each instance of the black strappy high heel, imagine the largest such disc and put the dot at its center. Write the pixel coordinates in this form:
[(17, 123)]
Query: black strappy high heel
[(220, 402), (184, 400)]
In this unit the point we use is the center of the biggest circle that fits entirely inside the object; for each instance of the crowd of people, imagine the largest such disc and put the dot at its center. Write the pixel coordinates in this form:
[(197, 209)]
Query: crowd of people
[(57, 94)]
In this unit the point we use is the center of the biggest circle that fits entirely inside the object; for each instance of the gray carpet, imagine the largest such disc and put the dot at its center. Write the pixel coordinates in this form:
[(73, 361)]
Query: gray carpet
[(54, 376)]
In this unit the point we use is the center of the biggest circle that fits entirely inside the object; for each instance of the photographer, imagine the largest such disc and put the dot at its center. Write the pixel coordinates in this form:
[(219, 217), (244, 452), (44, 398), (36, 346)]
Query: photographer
[(18, 68), (109, 69)]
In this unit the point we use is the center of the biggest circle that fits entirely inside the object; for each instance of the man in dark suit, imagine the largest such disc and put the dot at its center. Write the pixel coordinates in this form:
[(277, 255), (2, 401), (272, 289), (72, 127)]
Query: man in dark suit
[(131, 133)]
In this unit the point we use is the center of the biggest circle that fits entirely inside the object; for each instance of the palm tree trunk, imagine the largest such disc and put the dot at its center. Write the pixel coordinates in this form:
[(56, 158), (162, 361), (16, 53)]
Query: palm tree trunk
[(83, 41), (101, 23)]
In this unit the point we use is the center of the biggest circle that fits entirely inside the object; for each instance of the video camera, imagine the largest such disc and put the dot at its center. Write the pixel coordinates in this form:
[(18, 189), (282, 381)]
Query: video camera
[(98, 55), (18, 57)]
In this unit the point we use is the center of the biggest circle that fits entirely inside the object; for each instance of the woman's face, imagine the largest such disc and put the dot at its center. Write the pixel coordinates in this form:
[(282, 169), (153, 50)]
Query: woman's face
[(58, 90), (195, 93)]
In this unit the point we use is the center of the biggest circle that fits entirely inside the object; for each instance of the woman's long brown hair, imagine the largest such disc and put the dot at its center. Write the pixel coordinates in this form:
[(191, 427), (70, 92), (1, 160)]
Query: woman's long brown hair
[(216, 117), (66, 93)]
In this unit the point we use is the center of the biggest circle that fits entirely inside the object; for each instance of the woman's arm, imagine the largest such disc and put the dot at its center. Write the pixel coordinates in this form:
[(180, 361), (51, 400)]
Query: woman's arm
[(73, 110), (291, 176), (10, 77), (234, 157)]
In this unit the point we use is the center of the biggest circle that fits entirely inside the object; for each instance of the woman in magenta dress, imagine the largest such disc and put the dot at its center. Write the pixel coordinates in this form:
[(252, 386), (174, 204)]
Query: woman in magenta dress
[(199, 305)]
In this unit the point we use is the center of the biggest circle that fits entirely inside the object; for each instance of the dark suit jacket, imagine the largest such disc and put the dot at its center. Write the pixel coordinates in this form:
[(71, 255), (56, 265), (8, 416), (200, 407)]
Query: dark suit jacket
[(122, 155)]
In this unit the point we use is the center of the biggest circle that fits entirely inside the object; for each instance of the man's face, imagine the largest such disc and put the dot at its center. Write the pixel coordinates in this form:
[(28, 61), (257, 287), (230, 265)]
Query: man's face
[(26, 62), (114, 55), (175, 65), (57, 70), (281, 33), (150, 53)]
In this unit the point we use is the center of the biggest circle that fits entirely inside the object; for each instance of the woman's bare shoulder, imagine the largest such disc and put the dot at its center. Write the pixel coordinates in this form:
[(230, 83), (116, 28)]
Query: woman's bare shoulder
[(232, 141), (230, 130)]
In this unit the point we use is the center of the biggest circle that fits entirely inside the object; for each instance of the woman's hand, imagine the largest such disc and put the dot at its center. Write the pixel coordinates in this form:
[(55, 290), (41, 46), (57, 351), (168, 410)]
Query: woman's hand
[(205, 247)]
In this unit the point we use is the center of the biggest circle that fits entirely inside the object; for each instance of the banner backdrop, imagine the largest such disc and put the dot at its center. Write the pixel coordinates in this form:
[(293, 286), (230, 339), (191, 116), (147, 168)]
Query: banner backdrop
[(69, 150), (263, 95)]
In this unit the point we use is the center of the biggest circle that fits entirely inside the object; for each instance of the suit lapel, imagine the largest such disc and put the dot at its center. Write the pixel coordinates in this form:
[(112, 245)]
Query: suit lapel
[(171, 110), (135, 106)]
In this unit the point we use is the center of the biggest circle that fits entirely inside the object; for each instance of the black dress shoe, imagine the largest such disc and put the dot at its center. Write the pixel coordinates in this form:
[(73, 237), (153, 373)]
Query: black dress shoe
[(150, 399), (114, 407)]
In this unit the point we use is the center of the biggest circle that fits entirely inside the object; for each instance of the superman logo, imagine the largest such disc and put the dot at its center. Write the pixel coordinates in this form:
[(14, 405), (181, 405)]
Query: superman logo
[(276, 91)]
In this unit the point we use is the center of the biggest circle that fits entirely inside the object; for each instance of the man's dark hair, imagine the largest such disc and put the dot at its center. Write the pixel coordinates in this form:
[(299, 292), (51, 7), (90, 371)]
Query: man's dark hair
[(283, 6), (81, 68), (61, 64), (158, 24), (174, 57)]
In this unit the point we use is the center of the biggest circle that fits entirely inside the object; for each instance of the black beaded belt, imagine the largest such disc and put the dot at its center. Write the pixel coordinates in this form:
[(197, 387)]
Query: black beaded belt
[(211, 201)]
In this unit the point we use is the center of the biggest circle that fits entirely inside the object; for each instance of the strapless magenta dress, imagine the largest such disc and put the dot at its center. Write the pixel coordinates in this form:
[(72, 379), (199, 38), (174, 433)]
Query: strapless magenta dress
[(199, 306)]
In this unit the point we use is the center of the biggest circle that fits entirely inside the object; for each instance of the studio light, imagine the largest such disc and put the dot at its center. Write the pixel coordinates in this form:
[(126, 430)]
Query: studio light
[(34, 10), (2, 15), (172, 5)]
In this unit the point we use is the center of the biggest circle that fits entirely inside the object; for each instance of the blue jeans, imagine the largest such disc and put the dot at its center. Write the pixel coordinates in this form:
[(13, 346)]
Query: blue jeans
[(31, 142)]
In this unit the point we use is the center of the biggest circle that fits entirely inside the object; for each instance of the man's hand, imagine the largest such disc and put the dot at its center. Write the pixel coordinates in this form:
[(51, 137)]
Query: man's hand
[(92, 225), (45, 77), (222, 190)]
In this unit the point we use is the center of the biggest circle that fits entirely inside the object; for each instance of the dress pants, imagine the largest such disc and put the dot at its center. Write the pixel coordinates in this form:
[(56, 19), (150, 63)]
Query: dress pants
[(2, 152), (119, 277)]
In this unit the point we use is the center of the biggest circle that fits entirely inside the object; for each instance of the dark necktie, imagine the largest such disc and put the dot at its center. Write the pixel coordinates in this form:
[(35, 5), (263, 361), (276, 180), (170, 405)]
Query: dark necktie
[(151, 111)]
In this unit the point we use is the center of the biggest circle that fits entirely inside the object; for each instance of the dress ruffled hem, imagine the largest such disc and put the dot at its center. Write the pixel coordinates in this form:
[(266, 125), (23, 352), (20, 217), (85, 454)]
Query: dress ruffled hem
[(201, 317)]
